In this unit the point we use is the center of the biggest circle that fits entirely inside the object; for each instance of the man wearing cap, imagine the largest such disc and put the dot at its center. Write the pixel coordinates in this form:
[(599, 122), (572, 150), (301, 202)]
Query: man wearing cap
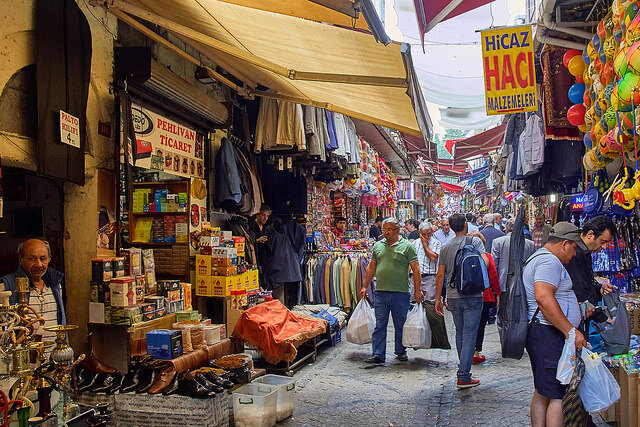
[(553, 313)]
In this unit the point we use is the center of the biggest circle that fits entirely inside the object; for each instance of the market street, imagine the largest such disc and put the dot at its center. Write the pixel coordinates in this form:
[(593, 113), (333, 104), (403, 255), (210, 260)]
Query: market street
[(338, 390)]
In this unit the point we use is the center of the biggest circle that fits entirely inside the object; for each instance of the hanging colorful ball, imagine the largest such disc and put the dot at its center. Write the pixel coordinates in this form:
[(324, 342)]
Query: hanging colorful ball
[(585, 57), (583, 128), (568, 55), (601, 54), (587, 141), (598, 132), (586, 78), (575, 114), (608, 73), (595, 40), (607, 92), (576, 66), (588, 118), (610, 117), (576, 92), (597, 65), (597, 111), (609, 48), (603, 124), (633, 58), (591, 51), (632, 33), (627, 89), (630, 13), (620, 62)]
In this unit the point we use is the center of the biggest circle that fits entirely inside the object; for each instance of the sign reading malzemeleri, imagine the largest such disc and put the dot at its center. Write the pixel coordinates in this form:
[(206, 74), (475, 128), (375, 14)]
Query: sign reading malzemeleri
[(509, 70)]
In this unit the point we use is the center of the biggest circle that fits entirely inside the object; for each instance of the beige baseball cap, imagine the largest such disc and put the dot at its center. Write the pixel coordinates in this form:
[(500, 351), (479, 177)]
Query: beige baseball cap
[(567, 231)]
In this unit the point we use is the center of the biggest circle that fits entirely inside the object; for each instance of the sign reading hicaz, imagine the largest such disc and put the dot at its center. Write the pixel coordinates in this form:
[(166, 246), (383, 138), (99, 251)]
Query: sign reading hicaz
[(509, 70)]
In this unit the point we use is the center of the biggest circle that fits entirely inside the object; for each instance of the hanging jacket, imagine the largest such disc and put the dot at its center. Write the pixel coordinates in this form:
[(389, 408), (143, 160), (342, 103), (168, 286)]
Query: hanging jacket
[(531, 146), (228, 192), (331, 129), (280, 264), (280, 126), (315, 127)]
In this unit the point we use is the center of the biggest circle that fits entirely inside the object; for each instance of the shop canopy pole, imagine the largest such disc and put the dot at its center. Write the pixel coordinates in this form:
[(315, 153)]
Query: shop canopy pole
[(251, 58)]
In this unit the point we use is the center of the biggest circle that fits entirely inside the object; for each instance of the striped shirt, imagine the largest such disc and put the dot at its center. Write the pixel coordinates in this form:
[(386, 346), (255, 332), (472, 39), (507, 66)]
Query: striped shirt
[(426, 265), (45, 304)]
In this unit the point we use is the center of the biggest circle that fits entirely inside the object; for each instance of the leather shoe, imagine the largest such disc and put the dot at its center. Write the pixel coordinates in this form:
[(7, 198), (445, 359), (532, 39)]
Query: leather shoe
[(193, 388), (133, 380), (163, 379), (95, 382), (172, 387), (374, 359), (226, 384), (149, 379), (110, 383), (95, 365), (208, 384)]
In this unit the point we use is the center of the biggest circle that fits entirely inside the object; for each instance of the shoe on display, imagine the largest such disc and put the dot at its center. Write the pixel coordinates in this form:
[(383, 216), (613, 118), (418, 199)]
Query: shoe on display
[(207, 384), (96, 381), (479, 359), (96, 365), (467, 384), (374, 359), (150, 378), (172, 387), (193, 388), (110, 383), (226, 384), (163, 379), (402, 357)]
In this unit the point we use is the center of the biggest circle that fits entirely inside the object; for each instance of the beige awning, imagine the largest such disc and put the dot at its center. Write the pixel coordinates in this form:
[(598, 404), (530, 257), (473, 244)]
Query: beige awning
[(311, 63)]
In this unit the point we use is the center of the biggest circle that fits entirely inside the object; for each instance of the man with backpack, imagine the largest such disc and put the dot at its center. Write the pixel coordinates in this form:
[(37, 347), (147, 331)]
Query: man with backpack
[(553, 313), (463, 262)]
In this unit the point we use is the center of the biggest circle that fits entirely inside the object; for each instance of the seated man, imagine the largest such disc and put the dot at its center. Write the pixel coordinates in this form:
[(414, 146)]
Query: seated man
[(45, 290)]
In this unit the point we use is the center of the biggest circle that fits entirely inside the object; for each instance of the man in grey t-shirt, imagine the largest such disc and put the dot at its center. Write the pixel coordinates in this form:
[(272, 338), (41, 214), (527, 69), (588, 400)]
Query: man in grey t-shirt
[(466, 309), (554, 312)]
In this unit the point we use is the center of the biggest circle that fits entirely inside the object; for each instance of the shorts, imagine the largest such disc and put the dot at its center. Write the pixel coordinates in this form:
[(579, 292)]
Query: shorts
[(544, 345)]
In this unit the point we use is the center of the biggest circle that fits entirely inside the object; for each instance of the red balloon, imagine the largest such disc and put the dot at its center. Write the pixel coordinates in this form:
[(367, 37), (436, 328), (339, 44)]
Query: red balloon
[(568, 55), (579, 79), (575, 114)]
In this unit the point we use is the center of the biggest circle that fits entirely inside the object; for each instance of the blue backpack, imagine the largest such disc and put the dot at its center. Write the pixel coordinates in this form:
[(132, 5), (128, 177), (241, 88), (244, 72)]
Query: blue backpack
[(470, 275)]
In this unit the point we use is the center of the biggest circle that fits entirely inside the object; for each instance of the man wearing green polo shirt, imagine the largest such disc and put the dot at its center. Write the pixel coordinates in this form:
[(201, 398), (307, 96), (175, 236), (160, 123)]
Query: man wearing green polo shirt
[(391, 259)]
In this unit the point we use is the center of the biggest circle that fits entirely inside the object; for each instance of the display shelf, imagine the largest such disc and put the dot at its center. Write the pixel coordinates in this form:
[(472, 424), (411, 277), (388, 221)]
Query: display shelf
[(158, 183), (159, 244), (157, 213)]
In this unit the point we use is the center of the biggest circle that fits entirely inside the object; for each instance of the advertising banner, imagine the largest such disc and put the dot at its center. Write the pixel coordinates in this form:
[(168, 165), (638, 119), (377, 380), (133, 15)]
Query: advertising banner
[(509, 70), (165, 145)]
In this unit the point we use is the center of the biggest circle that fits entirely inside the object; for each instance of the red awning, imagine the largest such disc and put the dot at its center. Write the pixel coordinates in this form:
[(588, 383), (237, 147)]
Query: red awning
[(447, 167), (452, 188), (432, 12), (416, 146), (479, 144)]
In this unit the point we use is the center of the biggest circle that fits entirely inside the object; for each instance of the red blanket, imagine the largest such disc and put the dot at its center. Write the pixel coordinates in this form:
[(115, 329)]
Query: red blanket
[(277, 331)]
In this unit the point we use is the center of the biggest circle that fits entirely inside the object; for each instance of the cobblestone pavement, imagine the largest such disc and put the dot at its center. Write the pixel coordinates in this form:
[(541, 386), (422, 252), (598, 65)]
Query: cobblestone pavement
[(339, 390)]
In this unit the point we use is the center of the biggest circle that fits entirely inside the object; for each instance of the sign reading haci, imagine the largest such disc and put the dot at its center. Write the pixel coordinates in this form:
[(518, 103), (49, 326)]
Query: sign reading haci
[(165, 145), (509, 70), (69, 129)]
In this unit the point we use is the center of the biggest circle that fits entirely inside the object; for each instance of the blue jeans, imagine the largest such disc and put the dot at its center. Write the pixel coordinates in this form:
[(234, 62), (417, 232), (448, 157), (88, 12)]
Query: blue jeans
[(466, 316), (398, 304)]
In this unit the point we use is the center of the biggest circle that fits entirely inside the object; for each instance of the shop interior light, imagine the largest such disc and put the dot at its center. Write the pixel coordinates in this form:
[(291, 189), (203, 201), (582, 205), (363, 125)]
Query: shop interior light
[(553, 198)]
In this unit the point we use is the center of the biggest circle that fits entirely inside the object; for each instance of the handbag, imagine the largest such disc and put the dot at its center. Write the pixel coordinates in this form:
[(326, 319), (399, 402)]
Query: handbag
[(439, 338), (573, 411)]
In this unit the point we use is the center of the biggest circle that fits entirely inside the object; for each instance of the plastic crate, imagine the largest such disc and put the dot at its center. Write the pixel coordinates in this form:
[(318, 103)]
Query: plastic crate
[(254, 405), (286, 387)]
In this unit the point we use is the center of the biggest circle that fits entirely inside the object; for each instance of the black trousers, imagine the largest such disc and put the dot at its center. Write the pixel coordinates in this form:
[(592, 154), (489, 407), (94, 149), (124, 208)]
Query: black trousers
[(484, 318)]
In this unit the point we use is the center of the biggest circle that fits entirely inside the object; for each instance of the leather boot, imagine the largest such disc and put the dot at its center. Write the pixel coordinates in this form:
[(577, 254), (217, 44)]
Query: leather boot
[(111, 381), (95, 365), (207, 384), (163, 379), (148, 382), (193, 388)]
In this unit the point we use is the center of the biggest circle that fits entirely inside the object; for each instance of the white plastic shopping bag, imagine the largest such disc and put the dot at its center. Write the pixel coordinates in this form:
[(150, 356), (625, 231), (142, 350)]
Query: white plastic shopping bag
[(362, 323), (567, 362), (416, 332), (598, 389)]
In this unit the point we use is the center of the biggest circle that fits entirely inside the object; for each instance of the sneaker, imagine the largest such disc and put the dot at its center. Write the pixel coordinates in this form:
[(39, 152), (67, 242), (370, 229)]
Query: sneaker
[(478, 359), (467, 384), (374, 359), (402, 357)]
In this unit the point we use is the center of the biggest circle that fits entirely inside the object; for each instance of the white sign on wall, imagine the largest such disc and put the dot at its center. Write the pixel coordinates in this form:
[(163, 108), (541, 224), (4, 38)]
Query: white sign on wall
[(69, 129)]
